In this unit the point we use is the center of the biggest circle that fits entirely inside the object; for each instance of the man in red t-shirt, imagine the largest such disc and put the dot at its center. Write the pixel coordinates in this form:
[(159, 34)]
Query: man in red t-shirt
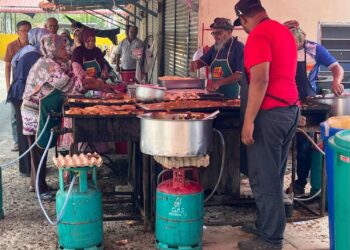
[(270, 118)]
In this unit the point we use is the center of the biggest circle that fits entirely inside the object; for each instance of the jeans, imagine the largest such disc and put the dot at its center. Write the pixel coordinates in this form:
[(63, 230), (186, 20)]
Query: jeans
[(267, 159)]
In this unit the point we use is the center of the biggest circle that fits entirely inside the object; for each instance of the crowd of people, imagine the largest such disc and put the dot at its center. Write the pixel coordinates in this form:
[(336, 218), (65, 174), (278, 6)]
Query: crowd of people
[(37, 65)]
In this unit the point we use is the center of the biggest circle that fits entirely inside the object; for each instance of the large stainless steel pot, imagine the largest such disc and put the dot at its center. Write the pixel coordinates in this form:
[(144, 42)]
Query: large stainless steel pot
[(149, 93), (166, 134), (339, 105)]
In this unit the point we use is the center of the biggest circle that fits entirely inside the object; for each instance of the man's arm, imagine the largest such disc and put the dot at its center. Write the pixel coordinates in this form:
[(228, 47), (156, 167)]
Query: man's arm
[(8, 75), (194, 65), (338, 74), (236, 76), (257, 90)]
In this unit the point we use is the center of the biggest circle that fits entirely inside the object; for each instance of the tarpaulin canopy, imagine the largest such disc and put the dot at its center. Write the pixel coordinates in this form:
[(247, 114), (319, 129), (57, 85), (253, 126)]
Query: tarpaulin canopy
[(32, 6)]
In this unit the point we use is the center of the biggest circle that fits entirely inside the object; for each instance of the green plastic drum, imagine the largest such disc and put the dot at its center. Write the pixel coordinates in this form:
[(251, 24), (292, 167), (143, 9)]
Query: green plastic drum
[(340, 143), (81, 226)]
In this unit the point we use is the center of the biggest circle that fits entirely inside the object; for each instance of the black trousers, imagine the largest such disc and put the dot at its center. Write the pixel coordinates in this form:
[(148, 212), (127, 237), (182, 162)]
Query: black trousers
[(267, 160), (24, 162), (304, 151), (36, 154)]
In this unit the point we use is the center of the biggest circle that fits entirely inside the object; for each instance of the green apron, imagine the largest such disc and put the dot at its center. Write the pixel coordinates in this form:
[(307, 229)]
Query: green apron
[(220, 68), (50, 103), (92, 69)]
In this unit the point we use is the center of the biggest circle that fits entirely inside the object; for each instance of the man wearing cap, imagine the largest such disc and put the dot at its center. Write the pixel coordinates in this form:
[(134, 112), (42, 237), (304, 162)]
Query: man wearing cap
[(270, 118), (311, 56), (225, 59)]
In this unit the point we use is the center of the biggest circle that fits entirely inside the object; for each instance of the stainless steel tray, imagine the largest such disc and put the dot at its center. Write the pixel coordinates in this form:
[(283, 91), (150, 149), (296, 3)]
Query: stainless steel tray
[(185, 83)]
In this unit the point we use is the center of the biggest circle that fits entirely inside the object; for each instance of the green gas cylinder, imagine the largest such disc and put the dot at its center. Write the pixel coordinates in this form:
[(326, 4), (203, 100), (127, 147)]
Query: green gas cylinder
[(81, 226), (179, 212)]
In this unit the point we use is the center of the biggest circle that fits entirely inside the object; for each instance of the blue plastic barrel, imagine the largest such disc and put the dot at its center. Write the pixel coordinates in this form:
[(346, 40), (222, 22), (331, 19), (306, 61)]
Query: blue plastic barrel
[(330, 128)]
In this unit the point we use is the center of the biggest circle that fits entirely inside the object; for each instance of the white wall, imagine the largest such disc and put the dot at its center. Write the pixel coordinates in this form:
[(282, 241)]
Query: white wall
[(309, 13)]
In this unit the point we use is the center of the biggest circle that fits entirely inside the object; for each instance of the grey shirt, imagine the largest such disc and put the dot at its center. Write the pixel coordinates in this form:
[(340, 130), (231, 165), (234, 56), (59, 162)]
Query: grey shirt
[(125, 50)]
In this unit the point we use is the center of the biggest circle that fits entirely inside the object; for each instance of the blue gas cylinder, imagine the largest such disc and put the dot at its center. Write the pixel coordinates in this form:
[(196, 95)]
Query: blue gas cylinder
[(81, 226)]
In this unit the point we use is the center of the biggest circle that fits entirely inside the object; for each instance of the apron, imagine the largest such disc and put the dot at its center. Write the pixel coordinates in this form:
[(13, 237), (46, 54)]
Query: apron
[(50, 103), (220, 68), (92, 69), (304, 86)]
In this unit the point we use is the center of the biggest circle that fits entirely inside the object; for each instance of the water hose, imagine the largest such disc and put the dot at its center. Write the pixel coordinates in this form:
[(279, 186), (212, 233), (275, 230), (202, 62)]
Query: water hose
[(59, 217), (222, 165), (6, 165), (323, 153)]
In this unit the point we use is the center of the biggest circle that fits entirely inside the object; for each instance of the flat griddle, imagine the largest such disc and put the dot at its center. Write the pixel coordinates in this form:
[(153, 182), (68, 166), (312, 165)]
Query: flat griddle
[(86, 102), (189, 105)]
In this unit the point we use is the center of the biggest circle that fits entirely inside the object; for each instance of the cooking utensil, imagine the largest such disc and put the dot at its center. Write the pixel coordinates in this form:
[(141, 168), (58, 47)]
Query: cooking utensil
[(149, 93), (185, 83), (212, 115), (165, 134), (339, 105)]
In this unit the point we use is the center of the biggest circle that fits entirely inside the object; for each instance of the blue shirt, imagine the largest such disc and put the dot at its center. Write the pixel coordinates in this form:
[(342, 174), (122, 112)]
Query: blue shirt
[(316, 55), (20, 74), (235, 57)]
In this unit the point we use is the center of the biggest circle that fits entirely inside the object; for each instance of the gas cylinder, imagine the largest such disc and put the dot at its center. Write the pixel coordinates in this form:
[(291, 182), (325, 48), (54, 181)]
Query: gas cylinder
[(81, 226), (179, 211)]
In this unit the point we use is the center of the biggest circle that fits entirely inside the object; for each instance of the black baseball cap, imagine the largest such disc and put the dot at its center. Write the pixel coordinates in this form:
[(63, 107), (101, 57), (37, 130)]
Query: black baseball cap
[(242, 7)]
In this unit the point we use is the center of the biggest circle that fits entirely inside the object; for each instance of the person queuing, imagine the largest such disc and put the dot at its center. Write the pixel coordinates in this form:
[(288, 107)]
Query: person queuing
[(270, 119), (69, 41), (225, 59), (311, 56), (52, 25), (124, 58), (22, 29), (22, 63), (76, 38), (50, 73)]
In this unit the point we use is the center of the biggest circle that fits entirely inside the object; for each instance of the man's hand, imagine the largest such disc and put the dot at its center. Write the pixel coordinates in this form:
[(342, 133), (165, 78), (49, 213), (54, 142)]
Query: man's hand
[(247, 133), (337, 88), (213, 86), (194, 66)]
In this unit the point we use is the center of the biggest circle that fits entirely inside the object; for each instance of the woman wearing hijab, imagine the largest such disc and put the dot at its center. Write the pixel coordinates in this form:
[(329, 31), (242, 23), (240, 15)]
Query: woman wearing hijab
[(69, 41), (88, 60), (22, 63), (49, 74)]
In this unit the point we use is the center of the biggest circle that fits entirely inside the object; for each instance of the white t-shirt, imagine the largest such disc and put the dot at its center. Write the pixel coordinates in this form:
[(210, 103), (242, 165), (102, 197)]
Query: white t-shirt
[(125, 50)]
